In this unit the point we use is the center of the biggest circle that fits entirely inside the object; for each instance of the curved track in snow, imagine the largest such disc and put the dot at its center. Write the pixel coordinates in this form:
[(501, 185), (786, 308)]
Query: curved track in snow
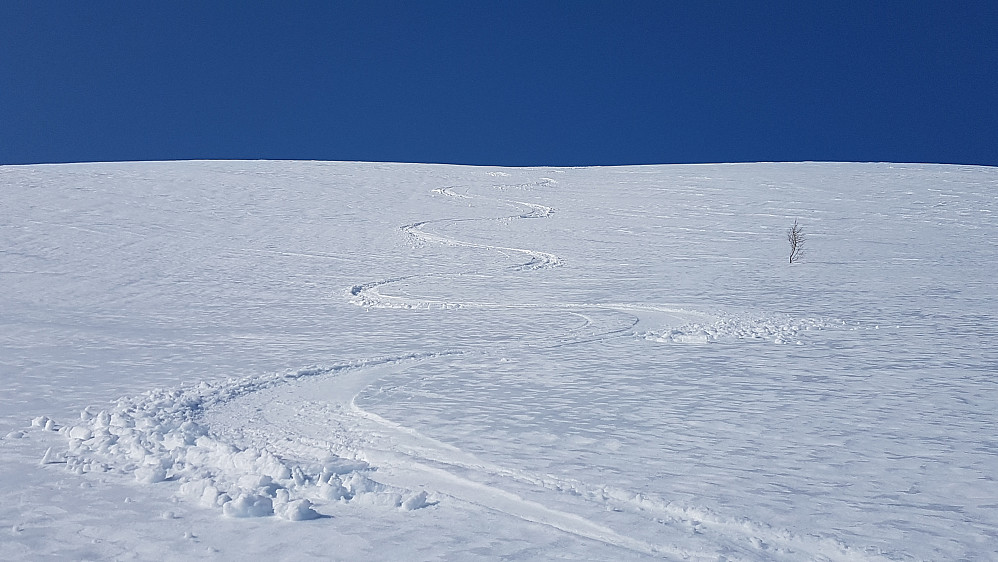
[(251, 447), (369, 294), (407, 458)]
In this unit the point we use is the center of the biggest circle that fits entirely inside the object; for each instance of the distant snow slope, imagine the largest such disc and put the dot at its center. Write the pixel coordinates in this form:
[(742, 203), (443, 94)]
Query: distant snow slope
[(352, 361)]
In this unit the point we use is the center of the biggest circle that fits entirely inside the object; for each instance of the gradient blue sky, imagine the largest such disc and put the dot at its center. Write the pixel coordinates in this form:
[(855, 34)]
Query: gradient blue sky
[(504, 83)]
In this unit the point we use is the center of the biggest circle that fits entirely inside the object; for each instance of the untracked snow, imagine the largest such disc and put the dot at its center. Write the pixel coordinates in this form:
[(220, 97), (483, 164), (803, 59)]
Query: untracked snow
[(297, 360)]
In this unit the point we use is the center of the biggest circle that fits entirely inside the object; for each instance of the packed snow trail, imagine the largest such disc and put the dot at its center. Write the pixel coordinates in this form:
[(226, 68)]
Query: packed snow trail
[(404, 459), (251, 448), (397, 457), (369, 294)]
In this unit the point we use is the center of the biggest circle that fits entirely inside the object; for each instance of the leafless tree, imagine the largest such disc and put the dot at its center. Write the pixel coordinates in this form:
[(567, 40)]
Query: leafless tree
[(796, 238)]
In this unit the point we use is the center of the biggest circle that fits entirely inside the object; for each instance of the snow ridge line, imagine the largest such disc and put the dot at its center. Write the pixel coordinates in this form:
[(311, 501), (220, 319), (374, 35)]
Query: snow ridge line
[(160, 436)]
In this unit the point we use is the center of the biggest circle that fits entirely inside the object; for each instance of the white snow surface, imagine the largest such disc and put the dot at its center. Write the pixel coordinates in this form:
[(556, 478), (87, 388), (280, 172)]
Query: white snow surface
[(366, 361)]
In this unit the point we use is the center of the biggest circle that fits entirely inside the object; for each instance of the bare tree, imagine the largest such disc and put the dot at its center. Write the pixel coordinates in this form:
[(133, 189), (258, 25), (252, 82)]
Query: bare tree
[(796, 238)]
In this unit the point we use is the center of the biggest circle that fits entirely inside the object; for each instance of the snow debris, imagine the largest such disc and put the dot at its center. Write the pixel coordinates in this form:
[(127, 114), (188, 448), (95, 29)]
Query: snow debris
[(51, 457), (296, 510), (45, 423), (81, 433), (416, 501), (779, 330), (150, 474), (249, 505), (156, 437)]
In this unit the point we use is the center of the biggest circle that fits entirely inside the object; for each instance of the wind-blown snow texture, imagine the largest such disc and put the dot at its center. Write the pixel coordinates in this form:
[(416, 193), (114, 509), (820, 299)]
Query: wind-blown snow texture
[(441, 362)]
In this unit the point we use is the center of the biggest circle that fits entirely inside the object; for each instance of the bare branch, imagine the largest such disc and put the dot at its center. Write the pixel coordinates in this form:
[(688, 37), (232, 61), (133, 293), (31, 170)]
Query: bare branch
[(796, 238)]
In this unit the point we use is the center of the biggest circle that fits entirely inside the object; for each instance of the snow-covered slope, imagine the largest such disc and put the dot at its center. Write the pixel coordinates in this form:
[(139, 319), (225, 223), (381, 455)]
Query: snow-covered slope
[(398, 361)]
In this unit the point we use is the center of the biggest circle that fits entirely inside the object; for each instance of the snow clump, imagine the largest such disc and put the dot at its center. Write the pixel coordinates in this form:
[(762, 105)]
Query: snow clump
[(156, 437), (776, 330)]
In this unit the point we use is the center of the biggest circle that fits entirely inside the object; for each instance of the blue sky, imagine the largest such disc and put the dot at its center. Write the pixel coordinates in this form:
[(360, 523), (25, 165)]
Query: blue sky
[(503, 83)]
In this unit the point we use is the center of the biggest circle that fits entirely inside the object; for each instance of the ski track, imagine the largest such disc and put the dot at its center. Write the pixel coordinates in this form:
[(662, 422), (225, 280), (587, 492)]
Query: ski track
[(251, 448)]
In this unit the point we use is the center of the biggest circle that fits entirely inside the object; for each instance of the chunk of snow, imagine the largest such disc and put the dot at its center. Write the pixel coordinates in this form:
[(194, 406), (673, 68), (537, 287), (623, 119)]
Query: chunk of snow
[(51, 457), (415, 501), (150, 474), (333, 489), (81, 433), (249, 505), (297, 510)]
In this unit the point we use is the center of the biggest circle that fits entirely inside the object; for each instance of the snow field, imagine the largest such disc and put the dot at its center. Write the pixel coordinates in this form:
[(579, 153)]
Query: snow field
[(503, 355)]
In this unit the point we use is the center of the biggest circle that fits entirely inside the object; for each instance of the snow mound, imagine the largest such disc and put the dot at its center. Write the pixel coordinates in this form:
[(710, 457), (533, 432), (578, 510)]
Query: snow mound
[(159, 436), (779, 330)]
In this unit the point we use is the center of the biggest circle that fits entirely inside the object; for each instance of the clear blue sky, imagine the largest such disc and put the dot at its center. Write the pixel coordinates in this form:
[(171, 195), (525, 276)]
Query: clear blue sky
[(506, 83)]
